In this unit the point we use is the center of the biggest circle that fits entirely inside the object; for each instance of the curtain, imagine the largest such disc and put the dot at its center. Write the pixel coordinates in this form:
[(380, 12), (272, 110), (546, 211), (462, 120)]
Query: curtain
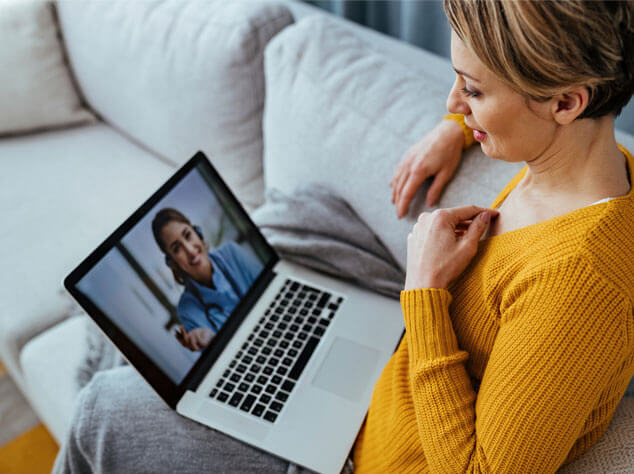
[(421, 23)]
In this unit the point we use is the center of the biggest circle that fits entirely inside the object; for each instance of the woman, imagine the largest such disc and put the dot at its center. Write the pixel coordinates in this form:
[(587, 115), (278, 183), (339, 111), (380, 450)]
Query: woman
[(214, 280), (530, 329)]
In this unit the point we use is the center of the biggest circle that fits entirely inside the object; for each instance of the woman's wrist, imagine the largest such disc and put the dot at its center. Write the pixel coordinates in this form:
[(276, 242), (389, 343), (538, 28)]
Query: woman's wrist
[(465, 132)]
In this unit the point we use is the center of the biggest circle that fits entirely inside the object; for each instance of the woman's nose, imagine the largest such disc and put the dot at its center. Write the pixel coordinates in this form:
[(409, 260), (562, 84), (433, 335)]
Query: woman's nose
[(189, 248), (455, 102)]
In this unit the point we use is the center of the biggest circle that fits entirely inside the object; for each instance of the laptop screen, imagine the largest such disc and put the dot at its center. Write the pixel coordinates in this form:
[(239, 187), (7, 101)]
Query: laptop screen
[(168, 280)]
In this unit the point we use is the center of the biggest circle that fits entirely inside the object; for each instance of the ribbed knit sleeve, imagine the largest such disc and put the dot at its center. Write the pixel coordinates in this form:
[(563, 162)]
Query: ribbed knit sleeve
[(560, 339)]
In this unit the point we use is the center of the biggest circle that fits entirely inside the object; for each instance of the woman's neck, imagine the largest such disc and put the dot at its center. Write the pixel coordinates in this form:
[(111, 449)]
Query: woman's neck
[(582, 163)]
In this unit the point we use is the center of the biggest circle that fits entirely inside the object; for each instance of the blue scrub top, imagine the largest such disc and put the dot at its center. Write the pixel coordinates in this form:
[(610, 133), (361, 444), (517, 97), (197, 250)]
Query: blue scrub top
[(201, 306)]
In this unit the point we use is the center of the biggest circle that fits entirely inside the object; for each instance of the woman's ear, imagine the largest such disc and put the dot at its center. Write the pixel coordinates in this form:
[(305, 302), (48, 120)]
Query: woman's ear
[(568, 105)]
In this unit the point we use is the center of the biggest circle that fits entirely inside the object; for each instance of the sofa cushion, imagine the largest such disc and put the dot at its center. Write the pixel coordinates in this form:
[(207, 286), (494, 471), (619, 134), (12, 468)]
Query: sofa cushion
[(614, 452), (35, 85), (179, 76), (50, 363), (62, 193), (371, 109)]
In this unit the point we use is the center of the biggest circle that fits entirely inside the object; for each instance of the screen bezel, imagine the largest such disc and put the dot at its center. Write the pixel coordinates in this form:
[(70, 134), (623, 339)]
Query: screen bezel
[(167, 389)]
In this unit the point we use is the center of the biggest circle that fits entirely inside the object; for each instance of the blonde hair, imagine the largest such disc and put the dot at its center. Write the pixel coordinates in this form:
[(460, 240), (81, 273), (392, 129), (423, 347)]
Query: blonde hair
[(541, 48)]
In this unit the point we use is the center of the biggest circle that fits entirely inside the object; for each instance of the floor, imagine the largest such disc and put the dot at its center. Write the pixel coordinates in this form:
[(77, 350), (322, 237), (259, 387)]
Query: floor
[(25, 444)]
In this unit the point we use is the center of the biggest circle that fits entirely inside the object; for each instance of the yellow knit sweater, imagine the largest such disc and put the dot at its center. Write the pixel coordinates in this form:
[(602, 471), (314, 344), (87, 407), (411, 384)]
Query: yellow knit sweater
[(520, 365)]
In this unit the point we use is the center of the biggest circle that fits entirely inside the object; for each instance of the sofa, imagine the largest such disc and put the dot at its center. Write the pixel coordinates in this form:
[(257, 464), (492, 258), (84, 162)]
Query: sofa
[(278, 94)]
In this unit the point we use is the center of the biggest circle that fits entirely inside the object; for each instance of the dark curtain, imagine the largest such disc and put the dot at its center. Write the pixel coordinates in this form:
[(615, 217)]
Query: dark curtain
[(421, 23)]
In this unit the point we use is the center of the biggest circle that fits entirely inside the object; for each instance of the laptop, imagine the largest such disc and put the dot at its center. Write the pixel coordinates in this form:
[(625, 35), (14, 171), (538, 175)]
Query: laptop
[(230, 335)]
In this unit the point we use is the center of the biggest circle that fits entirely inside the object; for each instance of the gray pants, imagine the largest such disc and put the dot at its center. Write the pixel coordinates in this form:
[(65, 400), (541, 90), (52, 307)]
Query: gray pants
[(120, 425)]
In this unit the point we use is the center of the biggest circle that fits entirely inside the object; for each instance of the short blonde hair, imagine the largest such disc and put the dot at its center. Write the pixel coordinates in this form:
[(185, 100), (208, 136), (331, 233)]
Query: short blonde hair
[(540, 48)]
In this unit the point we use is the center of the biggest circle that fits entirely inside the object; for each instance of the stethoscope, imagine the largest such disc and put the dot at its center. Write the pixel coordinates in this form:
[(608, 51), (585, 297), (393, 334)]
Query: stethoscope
[(208, 306)]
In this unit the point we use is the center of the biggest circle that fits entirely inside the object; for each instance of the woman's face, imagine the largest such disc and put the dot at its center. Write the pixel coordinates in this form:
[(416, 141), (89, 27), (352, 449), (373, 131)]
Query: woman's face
[(186, 248), (509, 126)]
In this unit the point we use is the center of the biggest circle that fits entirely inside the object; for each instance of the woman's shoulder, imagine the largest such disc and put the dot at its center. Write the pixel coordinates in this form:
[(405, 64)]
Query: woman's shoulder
[(608, 245)]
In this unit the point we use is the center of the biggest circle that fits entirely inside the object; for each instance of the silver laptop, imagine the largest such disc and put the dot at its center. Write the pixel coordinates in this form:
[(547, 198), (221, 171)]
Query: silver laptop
[(231, 336)]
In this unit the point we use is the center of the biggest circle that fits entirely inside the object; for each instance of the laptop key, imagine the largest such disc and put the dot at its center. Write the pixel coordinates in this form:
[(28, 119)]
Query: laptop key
[(268, 370), (229, 387), (324, 322), (323, 300), (299, 366), (287, 361), (220, 382), (292, 352), (241, 368), (278, 353), (266, 350), (213, 393), (262, 380), (302, 336), (264, 398), (319, 331), (235, 378), (256, 389), (287, 386), (270, 389), (243, 387), (270, 416), (249, 377), (273, 361), (282, 370), (277, 406), (281, 396), (235, 400), (276, 379), (252, 351), (284, 344), (248, 403), (258, 410), (223, 397)]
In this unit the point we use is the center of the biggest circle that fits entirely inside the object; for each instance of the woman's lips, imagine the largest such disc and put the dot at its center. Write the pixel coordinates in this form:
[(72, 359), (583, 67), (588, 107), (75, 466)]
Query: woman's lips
[(196, 260), (478, 135)]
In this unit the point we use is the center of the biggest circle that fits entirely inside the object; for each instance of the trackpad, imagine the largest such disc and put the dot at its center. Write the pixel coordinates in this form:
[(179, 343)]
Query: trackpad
[(347, 369)]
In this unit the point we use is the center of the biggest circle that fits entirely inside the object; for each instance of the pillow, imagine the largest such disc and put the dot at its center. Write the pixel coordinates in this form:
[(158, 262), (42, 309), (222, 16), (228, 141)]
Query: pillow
[(614, 452), (36, 90), (341, 114), (179, 76)]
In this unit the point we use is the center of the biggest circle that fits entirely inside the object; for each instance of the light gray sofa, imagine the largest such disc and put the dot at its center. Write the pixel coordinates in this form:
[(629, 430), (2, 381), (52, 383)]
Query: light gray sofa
[(271, 103)]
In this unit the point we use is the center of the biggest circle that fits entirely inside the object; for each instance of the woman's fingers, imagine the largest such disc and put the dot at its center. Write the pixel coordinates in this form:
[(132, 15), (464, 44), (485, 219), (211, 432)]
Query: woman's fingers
[(459, 214), (477, 228), (410, 186), (439, 183)]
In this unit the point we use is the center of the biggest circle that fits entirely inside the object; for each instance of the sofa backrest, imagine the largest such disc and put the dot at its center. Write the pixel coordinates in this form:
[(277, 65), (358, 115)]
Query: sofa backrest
[(178, 76)]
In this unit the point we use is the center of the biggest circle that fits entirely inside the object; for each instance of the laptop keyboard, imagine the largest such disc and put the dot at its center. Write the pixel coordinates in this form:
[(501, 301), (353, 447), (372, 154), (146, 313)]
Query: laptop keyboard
[(264, 372)]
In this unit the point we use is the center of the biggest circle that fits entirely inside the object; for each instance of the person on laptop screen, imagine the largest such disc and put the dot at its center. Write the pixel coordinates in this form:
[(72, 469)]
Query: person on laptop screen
[(213, 280)]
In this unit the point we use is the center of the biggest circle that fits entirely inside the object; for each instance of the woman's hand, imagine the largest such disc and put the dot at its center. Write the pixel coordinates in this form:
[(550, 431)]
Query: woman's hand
[(437, 154), (442, 243), (196, 339)]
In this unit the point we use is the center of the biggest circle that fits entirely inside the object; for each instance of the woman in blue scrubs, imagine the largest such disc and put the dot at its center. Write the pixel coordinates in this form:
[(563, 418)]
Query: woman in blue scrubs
[(214, 280)]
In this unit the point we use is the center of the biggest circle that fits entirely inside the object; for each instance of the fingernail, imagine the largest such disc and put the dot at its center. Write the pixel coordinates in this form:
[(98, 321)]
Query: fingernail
[(486, 217)]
